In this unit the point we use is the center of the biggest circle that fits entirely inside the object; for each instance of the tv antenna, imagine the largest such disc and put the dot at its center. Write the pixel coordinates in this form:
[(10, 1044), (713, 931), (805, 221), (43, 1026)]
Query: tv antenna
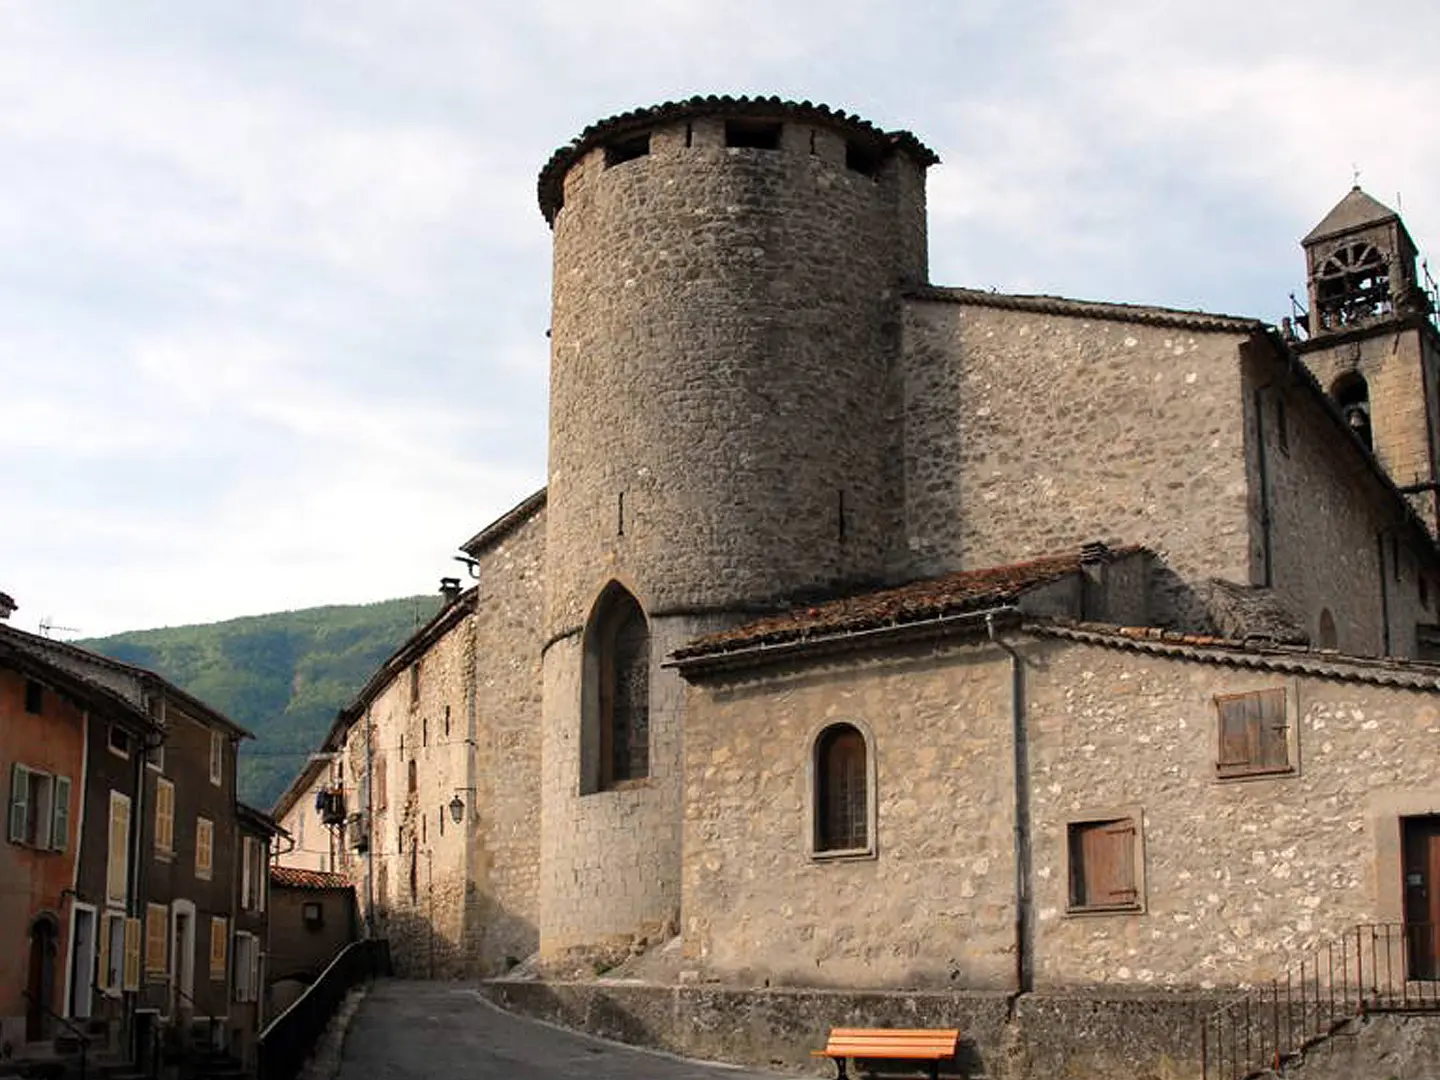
[(47, 624)]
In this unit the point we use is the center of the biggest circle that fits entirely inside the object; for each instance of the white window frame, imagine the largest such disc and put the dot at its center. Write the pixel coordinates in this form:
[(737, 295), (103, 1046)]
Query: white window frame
[(110, 741), (38, 814), (246, 966), (110, 961)]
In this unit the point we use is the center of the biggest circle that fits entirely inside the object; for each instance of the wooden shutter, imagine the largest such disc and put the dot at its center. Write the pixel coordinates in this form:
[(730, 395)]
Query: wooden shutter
[(246, 873), (132, 954), (60, 815), (104, 969), (164, 816), (118, 865), (19, 804), (219, 936), (1234, 733), (1272, 729), (204, 843), (1102, 864), (156, 920)]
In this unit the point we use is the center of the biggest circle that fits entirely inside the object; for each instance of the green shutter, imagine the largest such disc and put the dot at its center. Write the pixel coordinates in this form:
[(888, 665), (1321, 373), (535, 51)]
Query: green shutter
[(60, 819), (19, 804)]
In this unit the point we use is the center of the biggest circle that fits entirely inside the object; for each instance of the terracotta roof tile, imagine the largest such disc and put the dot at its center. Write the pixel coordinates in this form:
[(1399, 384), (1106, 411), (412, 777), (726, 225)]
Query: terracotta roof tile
[(1255, 653), (953, 594), (296, 878)]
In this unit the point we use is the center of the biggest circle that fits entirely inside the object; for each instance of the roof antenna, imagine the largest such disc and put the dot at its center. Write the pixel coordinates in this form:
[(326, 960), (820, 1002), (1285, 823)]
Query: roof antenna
[(1355, 174)]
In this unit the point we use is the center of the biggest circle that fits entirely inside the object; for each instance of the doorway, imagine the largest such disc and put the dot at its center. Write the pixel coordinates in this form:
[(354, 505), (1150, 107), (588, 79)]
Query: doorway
[(82, 962), (182, 956), (40, 978), (1421, 870)]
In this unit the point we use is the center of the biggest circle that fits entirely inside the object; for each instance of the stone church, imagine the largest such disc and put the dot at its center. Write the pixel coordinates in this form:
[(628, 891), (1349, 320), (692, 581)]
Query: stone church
[(873, 633)]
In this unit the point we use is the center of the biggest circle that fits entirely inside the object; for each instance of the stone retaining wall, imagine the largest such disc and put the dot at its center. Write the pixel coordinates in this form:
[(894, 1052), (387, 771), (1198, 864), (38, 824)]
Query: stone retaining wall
[(1004, 1037)]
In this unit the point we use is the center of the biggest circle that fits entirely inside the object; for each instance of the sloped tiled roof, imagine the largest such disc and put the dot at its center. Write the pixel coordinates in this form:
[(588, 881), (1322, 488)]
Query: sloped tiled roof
[(1355, 211), (295, 878), (552, 176), (1249, 653), (954, 594)]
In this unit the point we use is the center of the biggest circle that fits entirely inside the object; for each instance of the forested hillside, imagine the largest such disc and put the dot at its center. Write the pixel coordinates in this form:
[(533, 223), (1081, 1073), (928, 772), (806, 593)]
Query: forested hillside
[(283, 676)]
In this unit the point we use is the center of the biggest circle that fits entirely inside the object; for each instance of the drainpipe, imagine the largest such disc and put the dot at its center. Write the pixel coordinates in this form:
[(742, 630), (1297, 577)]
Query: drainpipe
[(369, 827), (1023, 975), (1384, 594)]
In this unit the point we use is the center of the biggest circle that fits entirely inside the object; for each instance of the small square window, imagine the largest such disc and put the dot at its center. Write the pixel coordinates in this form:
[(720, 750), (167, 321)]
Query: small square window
[(754, 134), (34, 697), (1106, 863), (119, 741), (313, 913), (1256, 734)]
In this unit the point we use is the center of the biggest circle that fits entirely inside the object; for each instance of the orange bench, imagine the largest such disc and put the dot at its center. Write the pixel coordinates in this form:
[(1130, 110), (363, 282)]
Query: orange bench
[(916, 1044)]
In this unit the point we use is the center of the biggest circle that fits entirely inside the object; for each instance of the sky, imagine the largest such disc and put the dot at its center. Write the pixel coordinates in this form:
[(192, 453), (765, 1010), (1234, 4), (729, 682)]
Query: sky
[(274, 285)]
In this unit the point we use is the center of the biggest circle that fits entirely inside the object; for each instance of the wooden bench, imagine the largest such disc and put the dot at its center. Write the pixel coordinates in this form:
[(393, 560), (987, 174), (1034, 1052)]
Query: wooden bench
[(915, 1044)]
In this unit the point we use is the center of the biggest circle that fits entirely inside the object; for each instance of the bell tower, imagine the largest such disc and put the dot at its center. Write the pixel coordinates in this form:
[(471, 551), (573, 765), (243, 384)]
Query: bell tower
[(1371, 341)]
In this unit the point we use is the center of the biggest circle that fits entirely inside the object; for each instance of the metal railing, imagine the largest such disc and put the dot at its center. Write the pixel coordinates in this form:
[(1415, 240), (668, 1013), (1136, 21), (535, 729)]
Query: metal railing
[(289, 1039), (75, 1033), (1376, 967)]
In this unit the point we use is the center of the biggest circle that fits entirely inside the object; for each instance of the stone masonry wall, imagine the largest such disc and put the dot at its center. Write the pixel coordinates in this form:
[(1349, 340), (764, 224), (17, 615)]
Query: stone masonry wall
[(504, 904), (1237, 877), (1240, 876), (610, 861), (417, 855), (723, 335), (933, 906), (1337, 539), (1030, 433)]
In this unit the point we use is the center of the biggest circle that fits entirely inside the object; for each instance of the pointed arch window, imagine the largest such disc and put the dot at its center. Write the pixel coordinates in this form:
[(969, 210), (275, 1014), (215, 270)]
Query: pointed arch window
[(616, 717), (842, 803)]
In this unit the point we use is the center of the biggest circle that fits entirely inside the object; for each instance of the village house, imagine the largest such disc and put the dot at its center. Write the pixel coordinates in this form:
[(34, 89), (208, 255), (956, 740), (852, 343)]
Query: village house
[(137, 949)]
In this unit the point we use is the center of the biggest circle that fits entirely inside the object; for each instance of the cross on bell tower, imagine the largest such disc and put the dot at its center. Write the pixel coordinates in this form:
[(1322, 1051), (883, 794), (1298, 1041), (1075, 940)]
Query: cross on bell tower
[(1371, 342)]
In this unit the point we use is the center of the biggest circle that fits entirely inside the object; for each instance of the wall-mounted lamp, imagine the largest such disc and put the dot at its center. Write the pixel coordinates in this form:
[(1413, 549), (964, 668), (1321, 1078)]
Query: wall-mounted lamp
[(457, 805)]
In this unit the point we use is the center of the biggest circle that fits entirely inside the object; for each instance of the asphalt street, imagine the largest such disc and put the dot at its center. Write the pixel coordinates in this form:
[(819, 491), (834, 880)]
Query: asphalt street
[(423, 1029)]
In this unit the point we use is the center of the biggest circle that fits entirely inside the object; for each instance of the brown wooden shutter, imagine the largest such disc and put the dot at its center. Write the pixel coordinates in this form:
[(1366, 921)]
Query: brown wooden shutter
[(1234, 733), (1102, 864), (1273, 730)]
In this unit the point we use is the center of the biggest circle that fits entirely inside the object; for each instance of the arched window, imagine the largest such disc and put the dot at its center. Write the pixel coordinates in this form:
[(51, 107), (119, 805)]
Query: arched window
[(1353, 286), (1327, 629), (615, 742), (842, 790), (1352, 393)]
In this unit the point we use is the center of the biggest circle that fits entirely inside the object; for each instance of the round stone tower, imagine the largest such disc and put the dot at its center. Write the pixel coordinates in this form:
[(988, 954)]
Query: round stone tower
[(724, 432)]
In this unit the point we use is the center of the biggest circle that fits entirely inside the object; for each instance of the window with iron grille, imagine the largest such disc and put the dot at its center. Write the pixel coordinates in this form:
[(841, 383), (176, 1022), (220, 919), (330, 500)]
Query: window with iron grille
[(1254, 734), (1106, 864), (842, 791)]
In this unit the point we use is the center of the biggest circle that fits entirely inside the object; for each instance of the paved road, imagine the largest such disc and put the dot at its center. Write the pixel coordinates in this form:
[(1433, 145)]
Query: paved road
[(406, 1030)]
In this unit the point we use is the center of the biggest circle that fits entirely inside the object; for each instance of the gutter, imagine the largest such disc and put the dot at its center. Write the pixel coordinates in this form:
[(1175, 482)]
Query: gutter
[(839, 641), (1023, 973)]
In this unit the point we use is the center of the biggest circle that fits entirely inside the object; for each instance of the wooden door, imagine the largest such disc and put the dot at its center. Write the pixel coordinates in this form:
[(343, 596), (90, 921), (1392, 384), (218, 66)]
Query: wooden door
[(1421, 839)]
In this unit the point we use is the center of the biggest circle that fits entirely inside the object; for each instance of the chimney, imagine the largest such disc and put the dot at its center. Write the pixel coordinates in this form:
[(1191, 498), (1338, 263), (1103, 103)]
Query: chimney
[(450, 589), (7, 605)]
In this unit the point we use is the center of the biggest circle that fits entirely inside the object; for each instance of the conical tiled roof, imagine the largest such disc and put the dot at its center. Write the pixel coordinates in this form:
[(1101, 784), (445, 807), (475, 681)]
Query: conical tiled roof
[(1355, 211)]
